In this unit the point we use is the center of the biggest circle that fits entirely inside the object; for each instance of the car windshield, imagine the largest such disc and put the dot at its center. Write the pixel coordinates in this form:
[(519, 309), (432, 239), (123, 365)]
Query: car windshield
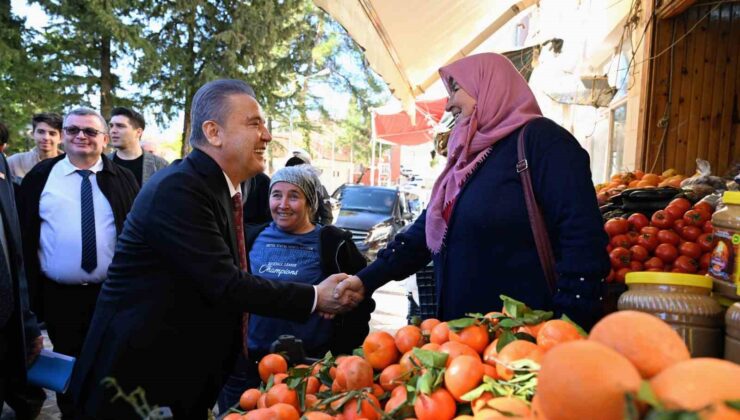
[(368, 199)]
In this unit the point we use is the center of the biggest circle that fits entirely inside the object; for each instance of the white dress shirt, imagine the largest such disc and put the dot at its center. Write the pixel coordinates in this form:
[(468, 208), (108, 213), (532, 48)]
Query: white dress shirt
[(232, 192), (60, 247)]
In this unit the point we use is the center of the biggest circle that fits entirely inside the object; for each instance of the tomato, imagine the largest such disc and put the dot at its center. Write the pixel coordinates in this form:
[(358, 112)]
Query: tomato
[(639, 253), (708, 228), (610, 277), (674, 212), (695, 218), (638, 221), (621, 241), (704, 260), (648, 241), (621, 274), (616, 226), (666, 236), (681, 203), (706, 241), (690, 249), (650, 229), (703, 205), (636, 266), (678, 225), (620, 258), (632, 235), (666, 252), (686, 264), (609, 248), (654, 263), (661, 220), (690, 233)]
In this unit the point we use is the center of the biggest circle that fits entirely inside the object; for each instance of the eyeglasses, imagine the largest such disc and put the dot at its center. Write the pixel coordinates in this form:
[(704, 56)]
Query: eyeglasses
[(89, 132)]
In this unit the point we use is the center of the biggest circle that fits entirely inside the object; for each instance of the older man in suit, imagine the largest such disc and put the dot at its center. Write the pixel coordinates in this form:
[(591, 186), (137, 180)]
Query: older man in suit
[(170, 316)]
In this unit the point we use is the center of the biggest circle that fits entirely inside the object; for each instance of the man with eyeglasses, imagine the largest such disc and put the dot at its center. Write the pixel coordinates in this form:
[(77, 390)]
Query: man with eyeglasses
[(126, 128), (72, 209)]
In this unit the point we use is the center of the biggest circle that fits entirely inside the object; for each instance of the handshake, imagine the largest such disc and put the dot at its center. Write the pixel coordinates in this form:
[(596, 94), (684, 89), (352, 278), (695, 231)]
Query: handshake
[(339, 293)]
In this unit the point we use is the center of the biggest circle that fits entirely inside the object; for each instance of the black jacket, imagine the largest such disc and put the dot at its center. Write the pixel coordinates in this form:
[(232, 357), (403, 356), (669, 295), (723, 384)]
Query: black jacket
[(22, 328), (168, 318), (117, 184), (338, 254), (257, 202)]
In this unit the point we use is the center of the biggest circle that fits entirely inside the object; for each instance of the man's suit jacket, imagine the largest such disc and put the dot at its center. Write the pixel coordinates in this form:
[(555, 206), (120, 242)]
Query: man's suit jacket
[(168, 318), (22, 327), (152, 163), (117, 184)]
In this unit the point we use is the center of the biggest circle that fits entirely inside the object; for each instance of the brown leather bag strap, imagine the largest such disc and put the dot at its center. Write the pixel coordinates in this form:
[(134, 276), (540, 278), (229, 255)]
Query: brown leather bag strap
[(536, 220)]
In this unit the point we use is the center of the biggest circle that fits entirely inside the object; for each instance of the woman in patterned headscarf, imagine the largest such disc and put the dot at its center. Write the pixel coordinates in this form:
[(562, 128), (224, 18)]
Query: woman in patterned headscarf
[(476, 228)]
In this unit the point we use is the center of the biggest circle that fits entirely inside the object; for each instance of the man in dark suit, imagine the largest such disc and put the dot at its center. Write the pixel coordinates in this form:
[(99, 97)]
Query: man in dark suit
[(20, 337), (170, 316)]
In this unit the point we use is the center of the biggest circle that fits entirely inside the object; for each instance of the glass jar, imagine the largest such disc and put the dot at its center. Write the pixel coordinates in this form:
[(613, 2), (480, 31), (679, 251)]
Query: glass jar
[(732, 333), (683, 301)]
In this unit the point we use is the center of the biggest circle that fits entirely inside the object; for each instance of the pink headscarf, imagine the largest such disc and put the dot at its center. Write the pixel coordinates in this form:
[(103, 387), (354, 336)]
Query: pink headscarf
[(504, 103)]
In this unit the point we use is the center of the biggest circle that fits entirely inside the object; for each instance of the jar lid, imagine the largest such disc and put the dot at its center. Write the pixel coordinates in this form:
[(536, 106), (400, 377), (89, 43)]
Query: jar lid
[(731, 197), (673, 279)]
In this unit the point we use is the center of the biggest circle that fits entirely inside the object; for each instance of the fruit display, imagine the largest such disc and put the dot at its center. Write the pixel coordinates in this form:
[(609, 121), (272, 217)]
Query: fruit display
[(517, 363), (636, 179), (678, 238)]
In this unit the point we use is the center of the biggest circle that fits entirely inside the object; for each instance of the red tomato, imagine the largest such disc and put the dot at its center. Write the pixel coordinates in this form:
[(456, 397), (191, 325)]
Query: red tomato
[(616, 226), (632, 235), (708, 228), (655, 269), (650, 229), (703, 205), (690, 233), (704, 260), (621, 274), (661, 220), (695, 218), (621, 241), (690, 249), (611, 276), (654, 263), (620, 258), (648, 241), (678, 225), (639, 253), (666, 252), (706, 241), (681, 203), (675, 212), (638, 221), (666, 236), (636, 266), (609, 248), (686, 264)]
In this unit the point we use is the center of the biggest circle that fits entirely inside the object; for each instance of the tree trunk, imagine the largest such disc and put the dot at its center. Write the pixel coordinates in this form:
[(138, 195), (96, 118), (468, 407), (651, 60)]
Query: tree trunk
[(106, 81)]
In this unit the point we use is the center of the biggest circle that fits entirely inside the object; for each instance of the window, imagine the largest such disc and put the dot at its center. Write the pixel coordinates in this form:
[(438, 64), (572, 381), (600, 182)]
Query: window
[(617, 122)]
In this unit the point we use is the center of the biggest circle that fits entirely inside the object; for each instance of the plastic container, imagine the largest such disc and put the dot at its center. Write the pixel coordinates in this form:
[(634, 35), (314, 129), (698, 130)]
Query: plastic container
[(732, 333), (724, 264), (683, 301)]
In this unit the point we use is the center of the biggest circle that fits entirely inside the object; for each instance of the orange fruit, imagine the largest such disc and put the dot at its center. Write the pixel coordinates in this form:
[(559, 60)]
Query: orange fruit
[(462, 375), (380, 350), (278, 378), (391, 377), (516, 350), (556, 331), (233, 416), (397, 398), (431, 346), (408, 337), (645, 340), (316, 415), (696, 383), (585, 380), (285, 411), (496, 407), (262, 401), (427, 325), (312, 385), (490, 371), (369, 408), (480, 403), (455, 349), (475, 336), (440, 333), (532, 330), (439, 405), (261, 414), (490, 353), (353, 372), (280, 393), (311, 400), (249, 399), (271, 364)]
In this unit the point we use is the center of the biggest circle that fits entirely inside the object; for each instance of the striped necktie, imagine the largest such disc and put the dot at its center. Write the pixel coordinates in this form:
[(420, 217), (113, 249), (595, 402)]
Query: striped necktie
[(87, 223)]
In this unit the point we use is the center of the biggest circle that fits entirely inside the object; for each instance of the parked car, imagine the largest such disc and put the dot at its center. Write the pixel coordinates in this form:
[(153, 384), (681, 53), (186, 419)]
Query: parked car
[(373, 214)]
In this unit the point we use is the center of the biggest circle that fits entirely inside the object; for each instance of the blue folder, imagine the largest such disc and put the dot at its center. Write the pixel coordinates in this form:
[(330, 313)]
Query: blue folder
[(51, 371)]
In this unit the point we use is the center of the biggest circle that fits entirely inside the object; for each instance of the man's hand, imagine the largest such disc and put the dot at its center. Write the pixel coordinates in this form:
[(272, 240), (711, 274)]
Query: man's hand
[(351, 286), (34, 350), (330, 303)]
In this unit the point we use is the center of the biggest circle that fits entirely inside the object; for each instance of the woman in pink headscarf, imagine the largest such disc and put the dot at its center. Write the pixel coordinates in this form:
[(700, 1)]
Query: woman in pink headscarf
[(476, 228)]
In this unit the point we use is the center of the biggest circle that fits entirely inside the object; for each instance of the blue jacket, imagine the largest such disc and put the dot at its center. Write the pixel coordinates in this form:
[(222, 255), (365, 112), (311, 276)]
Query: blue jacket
[(490, 249)]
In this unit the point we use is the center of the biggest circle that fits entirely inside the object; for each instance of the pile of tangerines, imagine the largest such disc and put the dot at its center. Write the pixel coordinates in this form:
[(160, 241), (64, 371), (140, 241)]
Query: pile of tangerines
[(516, 363)]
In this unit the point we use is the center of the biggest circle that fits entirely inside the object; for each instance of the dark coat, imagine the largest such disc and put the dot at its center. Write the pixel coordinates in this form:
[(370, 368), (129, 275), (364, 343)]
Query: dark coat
[(338, 254), (257, 202), (168, 318), (489, 249), (118, 185), (22, 327)]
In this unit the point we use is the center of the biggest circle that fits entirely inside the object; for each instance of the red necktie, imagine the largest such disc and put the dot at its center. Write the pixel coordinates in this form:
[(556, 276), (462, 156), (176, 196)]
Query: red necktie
[(236, 207)]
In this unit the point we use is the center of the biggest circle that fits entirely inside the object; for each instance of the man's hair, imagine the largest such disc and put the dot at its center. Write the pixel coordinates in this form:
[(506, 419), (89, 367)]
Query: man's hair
[(53, 119), (4, 135), (210, 103), (82, 111), (135, 118)]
